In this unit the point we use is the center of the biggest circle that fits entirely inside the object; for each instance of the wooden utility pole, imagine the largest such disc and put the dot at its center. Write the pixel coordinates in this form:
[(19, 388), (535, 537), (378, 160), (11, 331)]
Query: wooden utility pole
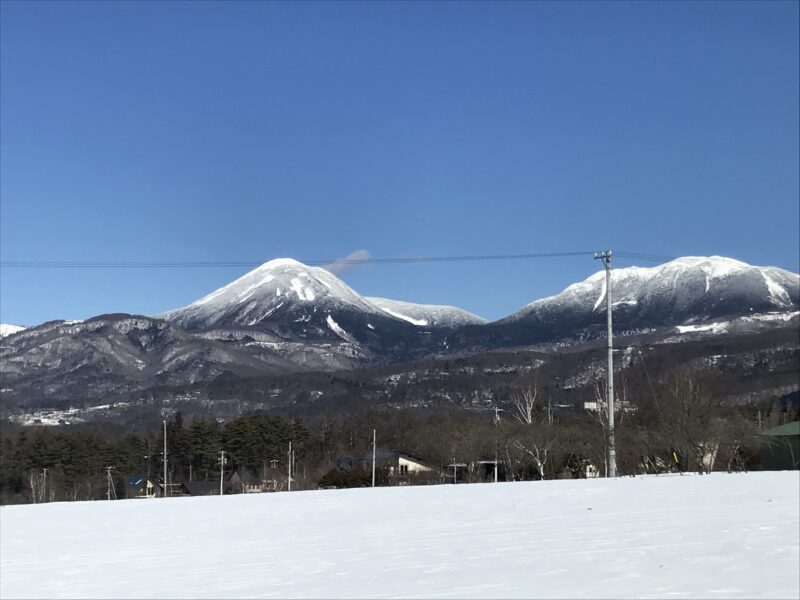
[(221, 470), (496, 442), (110, 485), (289, 484), (374, 439), (165, 459)]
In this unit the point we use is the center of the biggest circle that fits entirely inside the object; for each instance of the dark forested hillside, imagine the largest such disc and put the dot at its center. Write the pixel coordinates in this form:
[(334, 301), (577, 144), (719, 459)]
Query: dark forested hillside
[(751, 367)]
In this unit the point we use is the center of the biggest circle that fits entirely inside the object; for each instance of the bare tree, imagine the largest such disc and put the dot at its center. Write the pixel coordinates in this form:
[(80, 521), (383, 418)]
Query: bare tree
[(601, 400), (600, 416), (738, 441), (537, 437), (691, 419), (35, 483), (539, 445), (523, 402)]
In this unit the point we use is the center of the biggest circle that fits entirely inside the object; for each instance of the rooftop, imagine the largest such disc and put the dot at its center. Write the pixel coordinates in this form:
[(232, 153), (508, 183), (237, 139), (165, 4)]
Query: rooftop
[(787, 429)]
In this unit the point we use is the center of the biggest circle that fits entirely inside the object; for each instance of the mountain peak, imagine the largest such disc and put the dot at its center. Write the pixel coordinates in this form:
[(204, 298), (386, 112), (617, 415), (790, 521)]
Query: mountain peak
[(713, 266), (691, 286), (282, 262), (276, 285), (278, 277), (303, 297)]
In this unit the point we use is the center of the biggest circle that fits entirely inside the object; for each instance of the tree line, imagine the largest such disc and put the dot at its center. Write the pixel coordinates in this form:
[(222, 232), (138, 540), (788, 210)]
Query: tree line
[(680, 423)]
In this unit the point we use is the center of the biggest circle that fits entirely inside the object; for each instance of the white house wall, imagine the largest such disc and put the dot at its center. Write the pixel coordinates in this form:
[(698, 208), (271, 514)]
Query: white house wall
[(413, 467)]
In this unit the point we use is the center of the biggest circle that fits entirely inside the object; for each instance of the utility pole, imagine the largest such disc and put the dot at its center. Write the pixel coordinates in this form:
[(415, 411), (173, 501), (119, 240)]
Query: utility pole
[(110, 485), (289, 485), (605, 256), (496, 441), (374, 438), (147, 458), (221, 470), (44, 480), (165, 459)]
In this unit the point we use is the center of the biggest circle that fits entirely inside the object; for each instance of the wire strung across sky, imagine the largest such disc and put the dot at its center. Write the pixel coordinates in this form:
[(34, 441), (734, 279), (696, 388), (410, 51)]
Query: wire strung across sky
[(116, 264)]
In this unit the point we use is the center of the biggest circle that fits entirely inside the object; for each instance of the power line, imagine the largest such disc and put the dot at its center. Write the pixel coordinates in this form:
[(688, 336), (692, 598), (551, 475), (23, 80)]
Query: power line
[(165, 264), (93, 264)]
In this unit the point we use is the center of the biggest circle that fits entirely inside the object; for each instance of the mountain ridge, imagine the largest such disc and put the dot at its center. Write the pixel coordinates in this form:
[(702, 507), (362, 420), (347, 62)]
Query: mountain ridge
[(286, 317)]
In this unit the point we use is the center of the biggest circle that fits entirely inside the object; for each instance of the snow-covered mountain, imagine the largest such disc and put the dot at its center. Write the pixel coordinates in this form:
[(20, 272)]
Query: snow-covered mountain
[(285, 316), (271, 292), (286, 291), (685, 291), (690, 287), (7, 329), (292, 303), (427, 315)]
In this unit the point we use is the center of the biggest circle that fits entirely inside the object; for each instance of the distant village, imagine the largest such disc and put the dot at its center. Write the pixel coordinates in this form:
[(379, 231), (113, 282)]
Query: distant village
[(392, 467)]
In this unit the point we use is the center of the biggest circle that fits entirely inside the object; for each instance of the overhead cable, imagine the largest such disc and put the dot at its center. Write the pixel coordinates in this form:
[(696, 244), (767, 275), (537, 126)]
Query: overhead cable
[(116, 264)]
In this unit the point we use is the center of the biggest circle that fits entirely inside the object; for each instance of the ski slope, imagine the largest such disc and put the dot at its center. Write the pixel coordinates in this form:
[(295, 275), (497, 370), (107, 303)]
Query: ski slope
[(716, 536)]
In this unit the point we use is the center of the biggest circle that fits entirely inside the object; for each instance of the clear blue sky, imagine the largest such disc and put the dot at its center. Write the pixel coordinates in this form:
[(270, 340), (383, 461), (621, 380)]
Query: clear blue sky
[(248, 131)]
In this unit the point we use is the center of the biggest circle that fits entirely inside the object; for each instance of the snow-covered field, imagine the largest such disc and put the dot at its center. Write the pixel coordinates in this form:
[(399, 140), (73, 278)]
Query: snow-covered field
[(717, 536)]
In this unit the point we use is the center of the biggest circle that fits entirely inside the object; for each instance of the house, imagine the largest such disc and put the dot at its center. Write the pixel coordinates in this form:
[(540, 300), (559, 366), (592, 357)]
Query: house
[(398, 465), (246, 481), (620, 405), (139, 486), (783, 447), (578, 466), (200, 488), (401, 463), (474, 471)]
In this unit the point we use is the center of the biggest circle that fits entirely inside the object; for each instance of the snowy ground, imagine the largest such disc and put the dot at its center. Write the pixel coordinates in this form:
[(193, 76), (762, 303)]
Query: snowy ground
[(716, 536)]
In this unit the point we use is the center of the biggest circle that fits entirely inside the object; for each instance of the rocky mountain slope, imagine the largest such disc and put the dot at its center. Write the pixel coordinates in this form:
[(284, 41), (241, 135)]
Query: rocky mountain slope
[(114, 353)]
